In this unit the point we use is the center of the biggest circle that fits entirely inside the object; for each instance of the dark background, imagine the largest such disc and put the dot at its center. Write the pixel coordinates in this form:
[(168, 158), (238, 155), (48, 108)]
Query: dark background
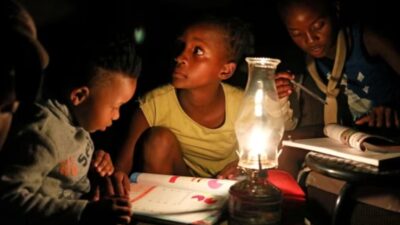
[(58, 21)]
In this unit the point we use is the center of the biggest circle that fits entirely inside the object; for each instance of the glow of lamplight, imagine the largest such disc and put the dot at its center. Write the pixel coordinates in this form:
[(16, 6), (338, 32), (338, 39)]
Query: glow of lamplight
[(257, 144), (258, 100), (257, 155)]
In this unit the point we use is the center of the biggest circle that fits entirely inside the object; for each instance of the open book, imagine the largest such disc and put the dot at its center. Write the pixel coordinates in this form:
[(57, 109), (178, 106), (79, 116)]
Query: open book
[(351, 144), (360, 140), (180, 199)]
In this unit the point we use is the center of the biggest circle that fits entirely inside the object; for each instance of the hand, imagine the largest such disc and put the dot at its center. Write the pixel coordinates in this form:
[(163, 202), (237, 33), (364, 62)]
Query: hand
[(117, 184), (380, 116), (112, 210), (283, 85), (102, 163), (231, 171)]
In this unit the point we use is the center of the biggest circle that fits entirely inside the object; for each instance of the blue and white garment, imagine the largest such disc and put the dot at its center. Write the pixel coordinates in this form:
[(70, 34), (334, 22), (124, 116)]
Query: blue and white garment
[(367, 82)]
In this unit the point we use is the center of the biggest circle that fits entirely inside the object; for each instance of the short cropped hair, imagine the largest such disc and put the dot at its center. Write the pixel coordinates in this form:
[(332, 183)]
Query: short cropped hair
[(328, 7), (239, 37), (118, 55), (79, 64)]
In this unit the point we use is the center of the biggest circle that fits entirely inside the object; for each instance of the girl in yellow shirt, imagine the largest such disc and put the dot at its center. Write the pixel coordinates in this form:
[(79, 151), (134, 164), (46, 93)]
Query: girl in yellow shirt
[(186, 127)]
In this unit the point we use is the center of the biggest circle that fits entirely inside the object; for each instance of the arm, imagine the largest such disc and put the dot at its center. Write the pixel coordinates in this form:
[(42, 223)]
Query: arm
[(231, 171), (285, 89), (125, 156), (101, 166), (378, 46), (102, 163), (382, 47)]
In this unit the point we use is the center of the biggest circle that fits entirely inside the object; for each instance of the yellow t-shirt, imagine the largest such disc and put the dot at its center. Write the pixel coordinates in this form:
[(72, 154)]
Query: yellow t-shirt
[(205, 151)]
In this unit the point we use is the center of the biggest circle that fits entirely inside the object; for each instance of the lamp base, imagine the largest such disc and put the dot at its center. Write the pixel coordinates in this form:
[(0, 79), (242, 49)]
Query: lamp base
[(255, 201)]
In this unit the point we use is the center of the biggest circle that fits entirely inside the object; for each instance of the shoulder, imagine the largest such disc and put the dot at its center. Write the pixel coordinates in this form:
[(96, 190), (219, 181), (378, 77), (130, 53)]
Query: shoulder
[(51, 116), (160, 105), (233, 96), (30, 129), (233, 90), (375, 43), (164, 91), (32, 118), (44, 124)]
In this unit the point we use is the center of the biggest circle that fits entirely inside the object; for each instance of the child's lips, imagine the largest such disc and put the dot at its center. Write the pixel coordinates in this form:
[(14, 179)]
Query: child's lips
[(317, 50), (179, 75)]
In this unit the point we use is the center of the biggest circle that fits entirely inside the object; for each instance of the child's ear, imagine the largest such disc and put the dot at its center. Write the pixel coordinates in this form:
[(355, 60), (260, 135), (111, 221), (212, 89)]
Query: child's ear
[(227, 71), (78, 95)]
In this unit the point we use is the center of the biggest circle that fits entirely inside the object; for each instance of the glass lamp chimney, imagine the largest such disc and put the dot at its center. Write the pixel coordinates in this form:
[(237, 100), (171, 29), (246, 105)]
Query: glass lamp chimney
[(259, 126)]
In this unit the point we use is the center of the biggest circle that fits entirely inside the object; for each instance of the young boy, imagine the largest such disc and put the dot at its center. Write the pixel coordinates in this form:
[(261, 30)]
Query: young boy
[(187, 127), (45, 161)]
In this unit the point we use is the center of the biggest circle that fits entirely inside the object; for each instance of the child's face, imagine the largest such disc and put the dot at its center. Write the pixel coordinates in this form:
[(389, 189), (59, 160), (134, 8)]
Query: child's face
[(203, 57), (98, 110), (311, 30)]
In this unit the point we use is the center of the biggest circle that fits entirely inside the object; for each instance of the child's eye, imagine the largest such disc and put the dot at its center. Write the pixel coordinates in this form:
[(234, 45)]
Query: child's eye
[(318, 25), (198, 51), (294, 33)]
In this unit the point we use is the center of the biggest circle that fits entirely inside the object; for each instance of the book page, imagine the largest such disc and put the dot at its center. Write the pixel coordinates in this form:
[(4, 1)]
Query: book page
[(179, 205), (332, 147), (147, 199), (178, 198), (209, 185), (357, 139)]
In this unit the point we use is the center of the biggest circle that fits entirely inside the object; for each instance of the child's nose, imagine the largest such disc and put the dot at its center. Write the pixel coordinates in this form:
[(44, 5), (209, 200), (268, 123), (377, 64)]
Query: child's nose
[(311, 38), (181, 58)]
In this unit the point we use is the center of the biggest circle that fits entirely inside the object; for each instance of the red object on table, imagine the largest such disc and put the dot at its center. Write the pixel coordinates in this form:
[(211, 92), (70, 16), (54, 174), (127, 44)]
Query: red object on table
[(294, 199)]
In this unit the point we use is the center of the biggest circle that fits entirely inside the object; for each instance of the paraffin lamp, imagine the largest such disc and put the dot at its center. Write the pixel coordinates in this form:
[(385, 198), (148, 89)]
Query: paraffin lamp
[(259, 129)]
